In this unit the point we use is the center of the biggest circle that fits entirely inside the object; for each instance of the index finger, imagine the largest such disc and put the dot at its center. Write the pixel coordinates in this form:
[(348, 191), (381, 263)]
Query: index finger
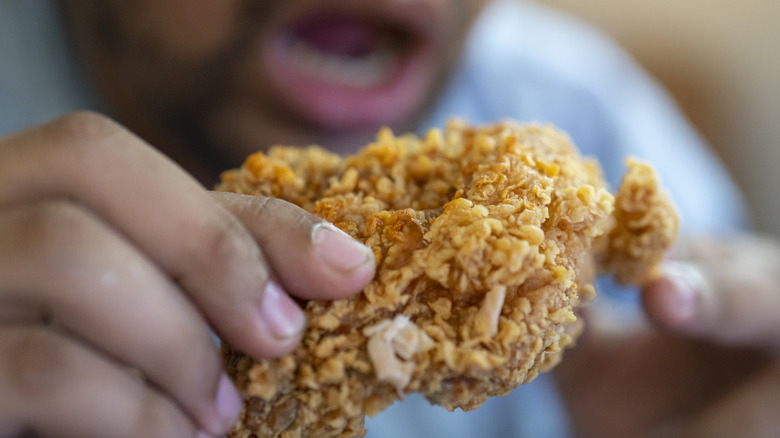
[(152, 202)]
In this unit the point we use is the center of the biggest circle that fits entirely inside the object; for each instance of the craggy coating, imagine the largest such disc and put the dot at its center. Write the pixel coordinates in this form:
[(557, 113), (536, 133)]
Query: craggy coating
[(486, 240)]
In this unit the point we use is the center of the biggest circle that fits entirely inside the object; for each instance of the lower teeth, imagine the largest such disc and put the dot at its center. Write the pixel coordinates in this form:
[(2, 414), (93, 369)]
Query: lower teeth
[(361, 71)]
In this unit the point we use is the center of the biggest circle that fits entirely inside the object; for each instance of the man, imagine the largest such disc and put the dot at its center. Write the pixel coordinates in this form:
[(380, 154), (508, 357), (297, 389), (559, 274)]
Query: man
[(112, 257)]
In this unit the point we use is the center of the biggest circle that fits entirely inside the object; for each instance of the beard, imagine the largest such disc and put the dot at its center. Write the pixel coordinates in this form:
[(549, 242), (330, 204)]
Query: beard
[(207, 109)]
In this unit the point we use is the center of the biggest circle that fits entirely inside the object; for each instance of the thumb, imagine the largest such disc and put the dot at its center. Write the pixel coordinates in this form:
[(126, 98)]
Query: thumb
[(311, 258), (723, 288)]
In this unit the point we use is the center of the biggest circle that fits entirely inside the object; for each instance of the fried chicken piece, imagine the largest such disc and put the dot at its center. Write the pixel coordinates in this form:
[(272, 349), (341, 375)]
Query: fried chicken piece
[(486, 241)]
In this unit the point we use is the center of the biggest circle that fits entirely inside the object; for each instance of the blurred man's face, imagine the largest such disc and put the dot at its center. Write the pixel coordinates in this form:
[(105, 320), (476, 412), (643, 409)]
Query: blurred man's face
[(243, 74)]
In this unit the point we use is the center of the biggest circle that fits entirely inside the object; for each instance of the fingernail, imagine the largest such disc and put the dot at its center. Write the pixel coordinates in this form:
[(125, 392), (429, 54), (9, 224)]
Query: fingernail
[(202, 434), (690, 285), (338, 250), (228, 401), (280, 313)]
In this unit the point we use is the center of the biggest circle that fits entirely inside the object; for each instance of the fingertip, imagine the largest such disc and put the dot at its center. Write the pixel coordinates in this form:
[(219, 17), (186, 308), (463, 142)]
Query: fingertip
[(279, 324), (225, 408), (228, 402), (339, 251), (311, 258), (670, 303), (281, 316), (350, 262), (266, 328), (674, 301)]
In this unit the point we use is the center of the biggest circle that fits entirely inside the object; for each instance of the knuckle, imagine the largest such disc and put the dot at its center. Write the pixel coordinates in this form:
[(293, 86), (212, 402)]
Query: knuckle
[(40, 361), (227, 242), (185, 341), (286, 211), (157, 417), (233, 262), (85, 128), (80, 134), (51, 225)]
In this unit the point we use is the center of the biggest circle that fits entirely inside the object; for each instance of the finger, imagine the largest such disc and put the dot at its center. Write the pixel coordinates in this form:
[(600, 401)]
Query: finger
[(748, 412), (161, 209), (104, 291), (725, 290), (312, 258), (54, 386)]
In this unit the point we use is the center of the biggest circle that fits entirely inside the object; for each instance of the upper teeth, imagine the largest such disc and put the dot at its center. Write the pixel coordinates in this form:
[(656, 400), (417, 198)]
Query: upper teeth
[(358, 71)]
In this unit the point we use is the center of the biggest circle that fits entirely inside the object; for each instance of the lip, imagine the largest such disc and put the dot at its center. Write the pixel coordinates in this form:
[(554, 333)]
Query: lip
[(393, 88)]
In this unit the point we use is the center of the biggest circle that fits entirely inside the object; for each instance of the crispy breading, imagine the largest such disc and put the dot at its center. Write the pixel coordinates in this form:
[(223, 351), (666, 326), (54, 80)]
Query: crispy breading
[(486, 241)]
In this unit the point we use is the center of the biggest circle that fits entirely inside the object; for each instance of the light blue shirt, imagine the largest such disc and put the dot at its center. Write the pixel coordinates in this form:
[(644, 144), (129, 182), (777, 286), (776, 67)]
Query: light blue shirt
[(522, 61)]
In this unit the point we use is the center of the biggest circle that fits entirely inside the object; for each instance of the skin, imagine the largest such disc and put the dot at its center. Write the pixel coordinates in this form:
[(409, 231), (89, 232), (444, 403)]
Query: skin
[(116, 261), (707, 365), (121, 260)]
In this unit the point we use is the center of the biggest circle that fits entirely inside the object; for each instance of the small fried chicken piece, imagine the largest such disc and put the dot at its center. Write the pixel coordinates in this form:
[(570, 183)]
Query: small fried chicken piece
[(486, 241)]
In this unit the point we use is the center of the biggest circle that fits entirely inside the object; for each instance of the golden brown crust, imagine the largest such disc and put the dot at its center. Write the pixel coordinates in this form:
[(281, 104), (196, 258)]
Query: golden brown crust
[(484, 240), (646, 225)]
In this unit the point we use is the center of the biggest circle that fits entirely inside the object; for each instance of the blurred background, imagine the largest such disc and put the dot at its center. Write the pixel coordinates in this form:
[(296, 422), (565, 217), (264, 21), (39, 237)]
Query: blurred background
[(721, 60)]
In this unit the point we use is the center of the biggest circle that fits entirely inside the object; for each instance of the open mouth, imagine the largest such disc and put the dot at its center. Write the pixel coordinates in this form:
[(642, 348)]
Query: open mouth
[(347, 51), (341, 71)]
